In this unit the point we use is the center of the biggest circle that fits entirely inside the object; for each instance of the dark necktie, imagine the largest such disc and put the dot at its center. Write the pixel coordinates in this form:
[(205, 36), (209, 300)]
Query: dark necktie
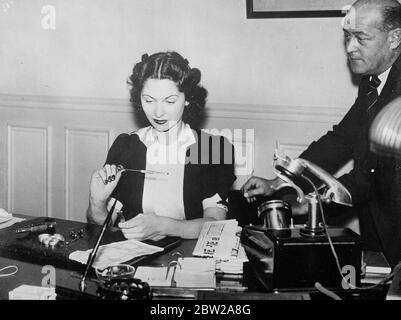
[(372, 95)]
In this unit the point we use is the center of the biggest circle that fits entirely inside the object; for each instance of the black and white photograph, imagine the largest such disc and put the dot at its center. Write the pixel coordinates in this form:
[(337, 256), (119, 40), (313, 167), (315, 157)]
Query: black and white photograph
[(200, 156)]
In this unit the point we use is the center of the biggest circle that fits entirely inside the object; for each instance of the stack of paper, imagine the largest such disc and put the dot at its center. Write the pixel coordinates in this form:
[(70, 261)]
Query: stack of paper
[(195, 273), (218, 239), (377, 267), (234, 265), (27, 292), (221, 241)]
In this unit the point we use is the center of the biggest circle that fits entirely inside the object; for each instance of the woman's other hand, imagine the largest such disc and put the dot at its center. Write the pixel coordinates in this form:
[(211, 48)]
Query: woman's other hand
[(143, 226), (103, 183)]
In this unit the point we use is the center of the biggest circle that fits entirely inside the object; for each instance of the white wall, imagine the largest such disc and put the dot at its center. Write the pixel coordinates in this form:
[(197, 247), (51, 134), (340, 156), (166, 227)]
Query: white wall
[(96, 42), (65, 91)]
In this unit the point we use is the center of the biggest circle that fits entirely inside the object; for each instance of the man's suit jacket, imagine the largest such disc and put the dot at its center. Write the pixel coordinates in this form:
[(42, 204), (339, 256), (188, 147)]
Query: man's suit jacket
[(375, 181)]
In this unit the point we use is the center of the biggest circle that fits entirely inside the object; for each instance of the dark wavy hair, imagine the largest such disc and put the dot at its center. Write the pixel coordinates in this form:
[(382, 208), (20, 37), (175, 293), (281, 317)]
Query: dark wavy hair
[(172, 66)]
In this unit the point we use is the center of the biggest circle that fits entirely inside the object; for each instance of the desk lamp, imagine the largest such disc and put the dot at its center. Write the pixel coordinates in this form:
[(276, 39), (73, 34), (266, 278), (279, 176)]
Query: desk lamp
[(385, 131)]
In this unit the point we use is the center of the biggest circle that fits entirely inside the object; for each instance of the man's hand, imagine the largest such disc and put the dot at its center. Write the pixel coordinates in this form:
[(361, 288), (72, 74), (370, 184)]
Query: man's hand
[(256, 186)]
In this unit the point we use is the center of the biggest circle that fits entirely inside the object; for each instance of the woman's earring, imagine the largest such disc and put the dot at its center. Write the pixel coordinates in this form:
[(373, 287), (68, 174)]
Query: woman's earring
[(186, 103)]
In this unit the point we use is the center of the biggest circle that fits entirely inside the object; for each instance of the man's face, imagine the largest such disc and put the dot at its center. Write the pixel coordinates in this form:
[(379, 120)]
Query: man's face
[(367, 45)]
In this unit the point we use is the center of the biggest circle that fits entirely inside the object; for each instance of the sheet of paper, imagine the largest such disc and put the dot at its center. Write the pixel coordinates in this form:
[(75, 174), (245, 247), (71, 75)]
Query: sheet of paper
[(197, 265), (205, 280), (155, 276), (217, 239), (195, 273), (115, 253), (7, 219), (29, 292)]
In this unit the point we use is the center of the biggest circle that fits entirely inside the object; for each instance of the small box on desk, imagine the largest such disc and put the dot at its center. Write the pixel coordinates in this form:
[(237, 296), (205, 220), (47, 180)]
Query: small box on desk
[(286, 260)]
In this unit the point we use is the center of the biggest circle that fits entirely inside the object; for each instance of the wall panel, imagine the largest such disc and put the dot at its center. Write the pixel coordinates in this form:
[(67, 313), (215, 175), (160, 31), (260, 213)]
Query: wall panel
[(29, 191), (86, 150)]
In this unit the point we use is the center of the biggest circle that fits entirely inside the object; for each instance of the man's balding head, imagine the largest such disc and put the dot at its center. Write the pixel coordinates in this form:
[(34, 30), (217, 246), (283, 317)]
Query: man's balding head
[(390, 11), (372, 30)]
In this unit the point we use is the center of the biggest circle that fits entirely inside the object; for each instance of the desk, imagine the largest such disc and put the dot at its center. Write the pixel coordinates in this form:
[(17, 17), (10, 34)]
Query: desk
[(67, 281)]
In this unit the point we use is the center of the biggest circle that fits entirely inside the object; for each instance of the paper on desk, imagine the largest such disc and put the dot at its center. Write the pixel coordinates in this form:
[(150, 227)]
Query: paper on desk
[(7, 219), (195, 273), (115, 253), (188, 273), (29, 292), (154, 276), (197, 265), (233, 265), (217, 239), (198, 281), (221, 240)]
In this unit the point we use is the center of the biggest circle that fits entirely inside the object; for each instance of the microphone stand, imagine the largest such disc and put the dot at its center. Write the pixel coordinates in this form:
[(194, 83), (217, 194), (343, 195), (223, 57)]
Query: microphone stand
[(92, 255)]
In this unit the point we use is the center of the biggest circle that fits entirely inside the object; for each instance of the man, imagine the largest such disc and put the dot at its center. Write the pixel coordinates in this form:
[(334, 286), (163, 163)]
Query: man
[(372, 31)]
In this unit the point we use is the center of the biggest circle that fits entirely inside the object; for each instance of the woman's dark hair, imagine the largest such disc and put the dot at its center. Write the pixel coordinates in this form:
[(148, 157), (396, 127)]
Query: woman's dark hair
[(172, 66)]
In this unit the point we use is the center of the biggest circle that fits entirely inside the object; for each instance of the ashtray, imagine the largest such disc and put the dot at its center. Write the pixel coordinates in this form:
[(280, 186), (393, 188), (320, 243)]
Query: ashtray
[(119, 271), (124, 289)]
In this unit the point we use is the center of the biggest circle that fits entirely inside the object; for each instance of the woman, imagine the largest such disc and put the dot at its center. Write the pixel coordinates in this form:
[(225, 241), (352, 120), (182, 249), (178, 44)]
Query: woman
[(187, 175)]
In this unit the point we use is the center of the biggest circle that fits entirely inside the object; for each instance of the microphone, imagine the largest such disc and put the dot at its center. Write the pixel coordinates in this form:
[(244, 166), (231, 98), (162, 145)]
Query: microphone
[(385, 131), (92, 255)]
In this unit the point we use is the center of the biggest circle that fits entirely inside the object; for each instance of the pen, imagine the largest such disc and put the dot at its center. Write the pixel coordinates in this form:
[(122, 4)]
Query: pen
[(146, 171), (38, 228)]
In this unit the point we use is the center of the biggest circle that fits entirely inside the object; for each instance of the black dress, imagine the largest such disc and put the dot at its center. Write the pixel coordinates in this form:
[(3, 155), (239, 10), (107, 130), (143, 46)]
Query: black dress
[(208, 170)]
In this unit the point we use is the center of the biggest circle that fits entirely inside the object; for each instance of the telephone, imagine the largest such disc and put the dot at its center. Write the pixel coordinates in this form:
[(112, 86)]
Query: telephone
[(298, 257), (292, 171)]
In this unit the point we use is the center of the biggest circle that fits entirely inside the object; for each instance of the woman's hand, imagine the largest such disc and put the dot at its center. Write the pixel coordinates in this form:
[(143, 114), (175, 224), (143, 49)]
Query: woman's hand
[(103, 183), (143, 226)]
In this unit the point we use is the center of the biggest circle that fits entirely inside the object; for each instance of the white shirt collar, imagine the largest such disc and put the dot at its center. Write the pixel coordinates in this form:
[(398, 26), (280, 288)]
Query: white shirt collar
[(383, 78), (147, 136)]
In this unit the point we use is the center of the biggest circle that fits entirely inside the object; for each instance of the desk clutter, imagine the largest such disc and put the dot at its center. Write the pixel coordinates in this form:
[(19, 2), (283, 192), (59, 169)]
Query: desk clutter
[(53, 241), (216, 264)]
